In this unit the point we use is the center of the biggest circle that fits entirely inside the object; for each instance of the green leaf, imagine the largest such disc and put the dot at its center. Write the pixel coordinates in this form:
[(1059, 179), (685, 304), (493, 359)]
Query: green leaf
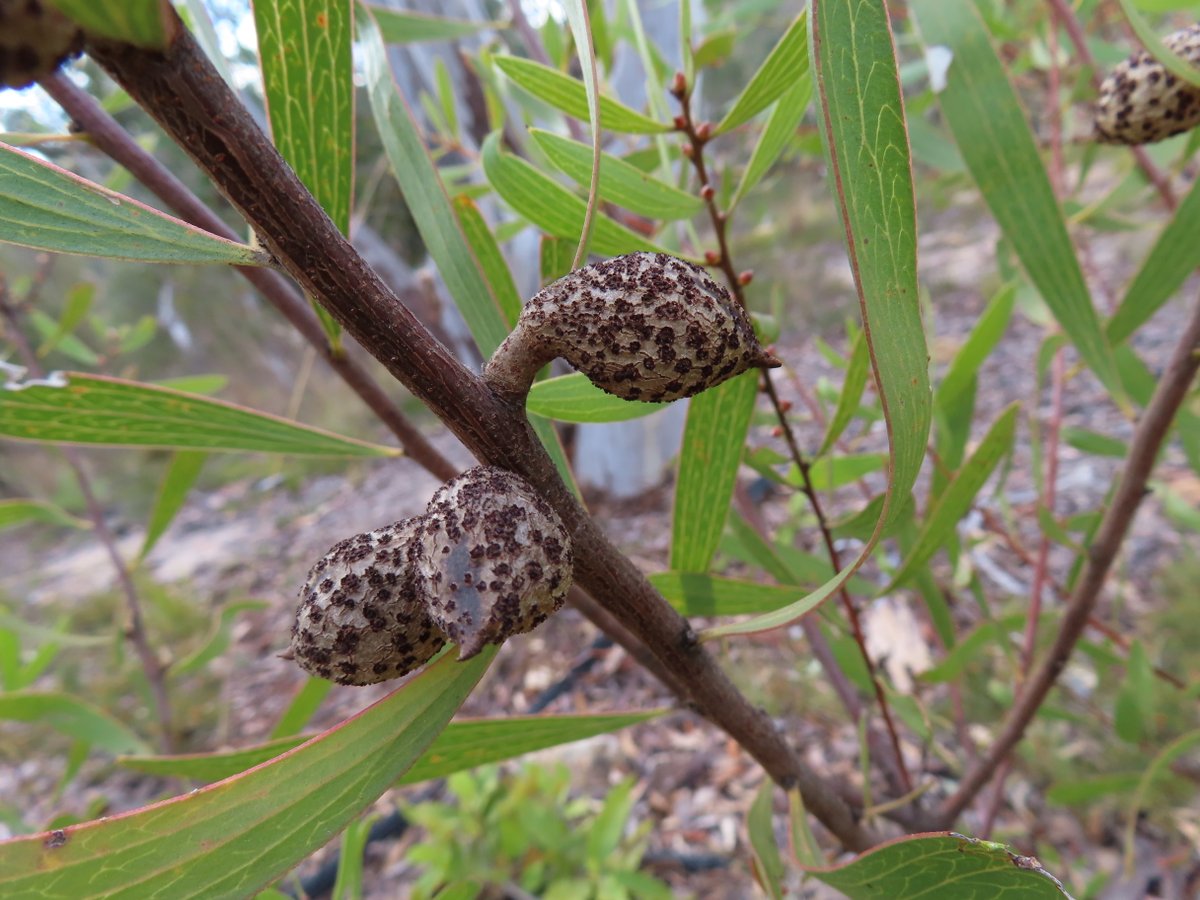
[(831, 472), (604, 834), (713, 438), (73, 717), (993, 135), (302, 708), (426, 196), (704, 595), (786, 64), (970, 649), (495, 269), (555, 256), (18, 512), (409, 27), (866, 144), (550, 206), (463, 745), (851, 394), (308, 83), (1158, 768), (978, 346), (1174, 256), (941, 865), (715, 48), (1133, 716), (769, 870), (142, 22), (1078, 791), (79, 301), (620, 183), (349, 882), (181, 474), (48, 208), (72, 408), (581, 32), (1094, 442), (781, 127), (234, 837), (572, 398), (219, 639), (955, 501), (569, 95), (1172, 61)]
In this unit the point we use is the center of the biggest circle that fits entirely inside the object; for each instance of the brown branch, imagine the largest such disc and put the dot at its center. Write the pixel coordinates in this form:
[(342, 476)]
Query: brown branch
[(1148, 438), (109, 137), (135, 629), (697, 136), (183, 92)]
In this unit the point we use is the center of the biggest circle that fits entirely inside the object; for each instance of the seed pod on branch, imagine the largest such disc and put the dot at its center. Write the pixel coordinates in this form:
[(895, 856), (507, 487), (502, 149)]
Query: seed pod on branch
[(35, 39), (1142, 102), (496, 558), (645, 326), (363, 615)]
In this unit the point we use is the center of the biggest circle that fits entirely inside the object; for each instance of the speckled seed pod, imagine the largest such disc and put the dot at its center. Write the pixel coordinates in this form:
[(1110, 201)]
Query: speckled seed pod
[(35, 39), (363, 615), (1141, 102), (496, 557), (645, 326)]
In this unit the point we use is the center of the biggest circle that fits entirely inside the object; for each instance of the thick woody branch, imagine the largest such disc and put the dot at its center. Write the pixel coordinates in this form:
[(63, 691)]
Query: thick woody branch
[(1148, 438), (184, 93)]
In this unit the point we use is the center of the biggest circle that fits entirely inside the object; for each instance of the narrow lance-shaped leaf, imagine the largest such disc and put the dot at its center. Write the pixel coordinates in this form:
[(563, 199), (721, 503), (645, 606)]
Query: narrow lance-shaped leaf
[(550, 206), (308, 83), (977, 347), (620, 183), (708, 462), (142, 22), (426, 196), (210, 842), (1174, 256), (769, 870), (993, 134), (71, 716), (475, 229), (410, 27), (18, 512), (703, 595), (570, 96), (1172, 61), (463, 745), (48, 208), (72, 408), (956, 499), (925, 865), (573, 398), (782, 69), (867, 148), (585, 51), (181, 474), (852, 391), (781, 125)]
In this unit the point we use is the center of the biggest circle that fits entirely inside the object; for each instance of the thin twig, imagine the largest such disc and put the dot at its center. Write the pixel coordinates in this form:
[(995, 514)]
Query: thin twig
[(135, 629), (182, 91), (697, 136), (1148, 438)]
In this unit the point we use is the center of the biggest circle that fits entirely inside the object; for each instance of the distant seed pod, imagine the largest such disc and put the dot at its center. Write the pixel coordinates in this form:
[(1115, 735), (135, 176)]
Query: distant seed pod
[(645, 326), (1142, 102), (496, 557), (35, 39), (363, 615)]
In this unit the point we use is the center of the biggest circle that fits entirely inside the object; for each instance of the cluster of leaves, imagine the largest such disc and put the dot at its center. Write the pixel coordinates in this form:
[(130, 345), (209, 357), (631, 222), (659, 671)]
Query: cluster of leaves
[(971, 130), (525, 829)]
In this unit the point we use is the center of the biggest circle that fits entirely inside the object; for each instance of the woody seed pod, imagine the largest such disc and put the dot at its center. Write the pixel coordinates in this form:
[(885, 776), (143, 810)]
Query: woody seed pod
[(34, 41), (363, 614), (496, 557), (1142, 102), (645, 326)]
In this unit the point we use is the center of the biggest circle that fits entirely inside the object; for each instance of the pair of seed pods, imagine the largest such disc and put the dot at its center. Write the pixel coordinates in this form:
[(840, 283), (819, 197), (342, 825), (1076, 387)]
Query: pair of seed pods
[(490, 558)]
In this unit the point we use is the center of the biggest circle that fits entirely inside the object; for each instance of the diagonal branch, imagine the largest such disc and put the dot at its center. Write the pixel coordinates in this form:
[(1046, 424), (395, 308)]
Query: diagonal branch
[(1148, 438), (180, 88)]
